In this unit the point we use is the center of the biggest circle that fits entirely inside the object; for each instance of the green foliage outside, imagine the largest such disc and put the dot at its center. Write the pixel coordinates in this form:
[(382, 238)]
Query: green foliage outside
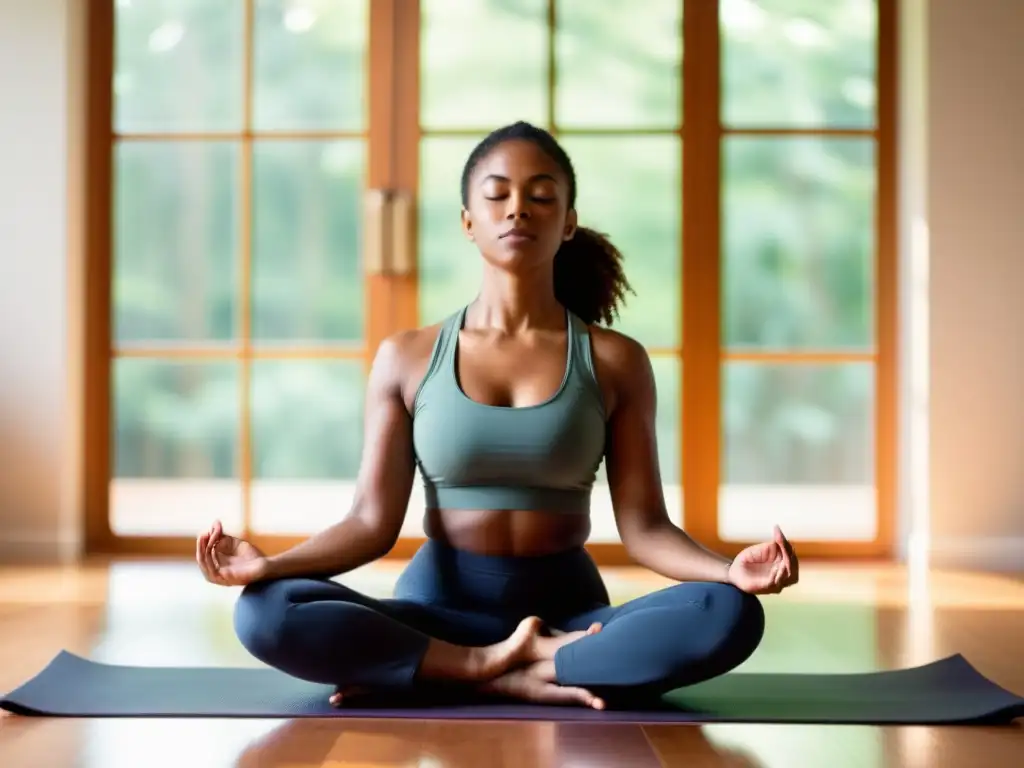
[(797, 228)]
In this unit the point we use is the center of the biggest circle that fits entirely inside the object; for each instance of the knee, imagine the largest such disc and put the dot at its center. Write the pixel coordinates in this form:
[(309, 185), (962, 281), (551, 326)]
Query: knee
[(260, 618), (726, 629), (740, 622)]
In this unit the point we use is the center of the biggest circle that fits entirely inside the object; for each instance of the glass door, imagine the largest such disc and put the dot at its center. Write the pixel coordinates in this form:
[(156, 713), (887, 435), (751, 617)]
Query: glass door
[(274, 189), (246, 286)]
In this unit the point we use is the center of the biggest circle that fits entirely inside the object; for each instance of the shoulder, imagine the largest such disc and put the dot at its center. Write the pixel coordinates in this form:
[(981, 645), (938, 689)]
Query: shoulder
[(402, 358), (616, 349), (406, 347), (622, 364)]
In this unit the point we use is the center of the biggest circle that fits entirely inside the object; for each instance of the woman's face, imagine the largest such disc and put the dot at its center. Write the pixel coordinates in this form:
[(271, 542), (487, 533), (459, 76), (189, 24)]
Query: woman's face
[(517, 209)]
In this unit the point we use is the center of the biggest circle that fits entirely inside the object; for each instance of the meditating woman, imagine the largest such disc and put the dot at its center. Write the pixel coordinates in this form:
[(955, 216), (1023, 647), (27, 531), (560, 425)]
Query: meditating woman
[(507, 408)]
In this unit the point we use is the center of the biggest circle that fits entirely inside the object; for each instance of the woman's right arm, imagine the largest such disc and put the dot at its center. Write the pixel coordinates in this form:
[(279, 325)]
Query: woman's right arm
[(383, 486)]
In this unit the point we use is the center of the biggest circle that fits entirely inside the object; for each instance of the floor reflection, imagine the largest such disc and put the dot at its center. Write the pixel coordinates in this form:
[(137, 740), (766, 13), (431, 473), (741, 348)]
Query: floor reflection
[(379, 743), (450, 744)]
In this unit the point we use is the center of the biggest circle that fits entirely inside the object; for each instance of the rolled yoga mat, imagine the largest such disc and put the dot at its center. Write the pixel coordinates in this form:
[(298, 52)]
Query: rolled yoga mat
[(948, 691)]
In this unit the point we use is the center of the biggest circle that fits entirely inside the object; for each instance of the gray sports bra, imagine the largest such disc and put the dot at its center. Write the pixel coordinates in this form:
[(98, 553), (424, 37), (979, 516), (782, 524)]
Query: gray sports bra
[(478, 456)]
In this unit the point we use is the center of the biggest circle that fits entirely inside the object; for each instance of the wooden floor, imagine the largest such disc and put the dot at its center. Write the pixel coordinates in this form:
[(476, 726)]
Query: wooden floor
[(840, 618)]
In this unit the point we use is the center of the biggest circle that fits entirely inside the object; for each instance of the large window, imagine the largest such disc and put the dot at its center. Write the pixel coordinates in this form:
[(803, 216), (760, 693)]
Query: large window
[(277, 190)]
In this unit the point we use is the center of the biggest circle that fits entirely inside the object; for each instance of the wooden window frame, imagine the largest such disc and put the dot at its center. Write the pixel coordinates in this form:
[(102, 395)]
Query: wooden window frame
[(393, 134)]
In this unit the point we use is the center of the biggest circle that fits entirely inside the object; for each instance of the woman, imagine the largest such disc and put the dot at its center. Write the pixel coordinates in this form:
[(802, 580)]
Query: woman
[(507, 408)]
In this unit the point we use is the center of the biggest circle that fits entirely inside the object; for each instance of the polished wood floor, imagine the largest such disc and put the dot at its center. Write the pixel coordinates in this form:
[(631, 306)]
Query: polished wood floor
[(840, 618)]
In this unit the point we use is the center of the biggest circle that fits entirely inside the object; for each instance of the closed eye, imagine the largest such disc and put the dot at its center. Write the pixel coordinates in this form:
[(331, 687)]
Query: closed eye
[(535, 199)]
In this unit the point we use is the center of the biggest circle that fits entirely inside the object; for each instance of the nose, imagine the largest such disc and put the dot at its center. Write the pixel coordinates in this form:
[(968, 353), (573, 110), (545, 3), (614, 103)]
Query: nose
[(517, 208)]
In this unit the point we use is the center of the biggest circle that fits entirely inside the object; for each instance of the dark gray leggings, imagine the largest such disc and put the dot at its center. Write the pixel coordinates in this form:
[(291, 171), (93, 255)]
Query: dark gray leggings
[(324, 632)]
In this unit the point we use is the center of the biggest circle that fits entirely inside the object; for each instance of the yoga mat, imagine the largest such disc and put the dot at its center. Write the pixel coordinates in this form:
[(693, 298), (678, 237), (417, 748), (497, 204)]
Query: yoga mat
[(948, 691)]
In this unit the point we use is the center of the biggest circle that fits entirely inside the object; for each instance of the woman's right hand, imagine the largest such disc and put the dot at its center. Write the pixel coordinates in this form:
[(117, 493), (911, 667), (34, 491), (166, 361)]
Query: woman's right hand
[(227, 560)]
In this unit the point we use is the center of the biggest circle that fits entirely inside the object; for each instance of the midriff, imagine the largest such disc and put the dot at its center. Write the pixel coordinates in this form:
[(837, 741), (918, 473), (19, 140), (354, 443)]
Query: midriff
[(507, 533)]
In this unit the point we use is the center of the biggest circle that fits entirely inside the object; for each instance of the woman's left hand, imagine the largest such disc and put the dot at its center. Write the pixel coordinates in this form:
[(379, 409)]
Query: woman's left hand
[(766, 569)]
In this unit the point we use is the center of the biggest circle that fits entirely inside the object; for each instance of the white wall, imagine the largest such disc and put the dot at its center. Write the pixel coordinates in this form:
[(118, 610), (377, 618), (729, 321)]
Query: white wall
[(39, 263), (962, 195), (976, 221)]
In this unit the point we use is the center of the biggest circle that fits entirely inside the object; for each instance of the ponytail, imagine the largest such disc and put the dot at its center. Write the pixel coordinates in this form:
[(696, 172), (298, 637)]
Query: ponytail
[(589, 279)]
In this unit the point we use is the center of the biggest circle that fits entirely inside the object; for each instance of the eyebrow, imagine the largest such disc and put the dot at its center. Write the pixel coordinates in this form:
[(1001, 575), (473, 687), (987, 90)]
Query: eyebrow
[(535, 177)]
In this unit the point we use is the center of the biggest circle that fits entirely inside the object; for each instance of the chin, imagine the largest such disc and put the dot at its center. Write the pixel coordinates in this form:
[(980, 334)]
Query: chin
[(521, 258)]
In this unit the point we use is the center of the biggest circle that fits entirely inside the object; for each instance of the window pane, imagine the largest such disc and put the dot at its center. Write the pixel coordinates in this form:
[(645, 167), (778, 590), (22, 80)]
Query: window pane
[(799, 242), (178, 66), (175, 449), (483, 64), (798, 451), (307, 266), (307, 439), (794, 63), (175, 241), (667, 378), (450, 266), (310, 64), (629, 189), (616, 69)]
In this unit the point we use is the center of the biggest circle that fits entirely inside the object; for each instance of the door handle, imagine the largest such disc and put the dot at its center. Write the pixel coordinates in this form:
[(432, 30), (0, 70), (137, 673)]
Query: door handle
[(374, 216), (403, 234), (389, 240)]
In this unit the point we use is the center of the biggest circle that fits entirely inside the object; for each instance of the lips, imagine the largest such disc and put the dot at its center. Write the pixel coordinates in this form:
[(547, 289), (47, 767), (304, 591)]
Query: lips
[(519, 234)]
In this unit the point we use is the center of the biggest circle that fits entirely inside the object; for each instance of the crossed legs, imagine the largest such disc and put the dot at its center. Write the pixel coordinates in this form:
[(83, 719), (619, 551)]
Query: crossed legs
[(325, 632)]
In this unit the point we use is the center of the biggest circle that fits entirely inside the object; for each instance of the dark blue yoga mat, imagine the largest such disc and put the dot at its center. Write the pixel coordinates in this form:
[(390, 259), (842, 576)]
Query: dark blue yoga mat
[(948, 691)]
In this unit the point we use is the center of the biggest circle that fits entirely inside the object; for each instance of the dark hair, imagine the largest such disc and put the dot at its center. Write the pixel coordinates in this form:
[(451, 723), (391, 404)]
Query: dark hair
[(589, 279)]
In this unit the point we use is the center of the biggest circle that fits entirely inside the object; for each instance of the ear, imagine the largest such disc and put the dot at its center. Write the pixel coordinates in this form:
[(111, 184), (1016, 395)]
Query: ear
[(467, 224), (571, 224)]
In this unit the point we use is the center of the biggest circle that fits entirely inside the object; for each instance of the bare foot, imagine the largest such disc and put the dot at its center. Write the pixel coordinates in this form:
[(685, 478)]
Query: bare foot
[(536, 683), (516, 650), (543, 648), (344, 696), (525, 651), (444, 661)]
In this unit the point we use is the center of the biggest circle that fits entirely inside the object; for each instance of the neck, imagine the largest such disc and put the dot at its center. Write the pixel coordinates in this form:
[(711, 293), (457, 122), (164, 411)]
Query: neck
[(517, 302)]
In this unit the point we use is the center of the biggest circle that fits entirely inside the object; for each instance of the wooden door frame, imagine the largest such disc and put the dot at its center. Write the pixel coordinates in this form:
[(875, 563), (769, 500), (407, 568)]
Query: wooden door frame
[(703, 128), (393, 138), (389, 299)]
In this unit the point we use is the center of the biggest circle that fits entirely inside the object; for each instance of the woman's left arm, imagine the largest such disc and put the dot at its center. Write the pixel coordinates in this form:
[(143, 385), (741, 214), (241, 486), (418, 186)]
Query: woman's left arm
[(634, 474), (634, 477)]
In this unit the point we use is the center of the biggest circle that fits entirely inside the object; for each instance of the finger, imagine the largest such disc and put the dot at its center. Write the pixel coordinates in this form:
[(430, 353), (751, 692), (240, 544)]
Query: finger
[(794, 562), (219, 544), (774, 577), (790, 578), (201, 552), (214, 569), (770, 580), (781, 537), (335, 700), (787, 548), (783, 547), (569, 695), (215, 535)]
